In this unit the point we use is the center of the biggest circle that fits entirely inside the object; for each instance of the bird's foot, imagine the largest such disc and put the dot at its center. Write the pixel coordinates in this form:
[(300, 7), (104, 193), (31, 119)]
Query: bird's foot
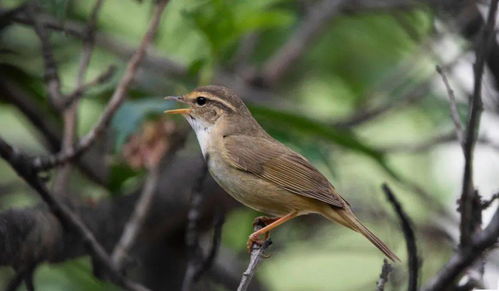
[(256, 240), (263, 221)]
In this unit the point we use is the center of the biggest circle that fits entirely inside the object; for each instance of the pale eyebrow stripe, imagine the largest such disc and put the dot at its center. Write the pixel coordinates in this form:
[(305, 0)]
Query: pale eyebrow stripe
[(214, 98)]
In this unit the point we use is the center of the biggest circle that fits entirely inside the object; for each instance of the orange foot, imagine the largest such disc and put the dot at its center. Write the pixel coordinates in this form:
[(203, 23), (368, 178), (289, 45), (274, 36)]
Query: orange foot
[(254, 239)]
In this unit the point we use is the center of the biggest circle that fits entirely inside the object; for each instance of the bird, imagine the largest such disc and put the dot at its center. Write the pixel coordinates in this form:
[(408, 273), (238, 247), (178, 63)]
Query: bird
[(259, 171)]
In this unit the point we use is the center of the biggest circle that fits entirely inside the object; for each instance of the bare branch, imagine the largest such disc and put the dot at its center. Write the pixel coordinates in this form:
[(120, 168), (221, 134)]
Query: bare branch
[(383, 277), (256, 256), (468, 224), (410, 239), (21, 164), (70, 115), (453, 107), (134, 225), (44, 163)]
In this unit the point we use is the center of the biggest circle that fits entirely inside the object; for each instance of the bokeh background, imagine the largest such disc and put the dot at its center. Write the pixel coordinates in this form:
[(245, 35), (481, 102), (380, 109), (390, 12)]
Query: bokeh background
[(351, 85)]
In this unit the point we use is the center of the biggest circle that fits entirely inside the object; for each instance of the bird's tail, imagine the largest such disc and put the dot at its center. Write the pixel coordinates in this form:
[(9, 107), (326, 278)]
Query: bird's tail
[(347, 218)]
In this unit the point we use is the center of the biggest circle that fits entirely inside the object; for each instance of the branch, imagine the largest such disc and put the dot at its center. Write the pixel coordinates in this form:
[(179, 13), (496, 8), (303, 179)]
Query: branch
[(20, 163), (383, 277), (410, 239), (453, 107), (468, 210), (70, 113), (137, 220), (466, 256), (486, 204), (256, 256), (44, 163)]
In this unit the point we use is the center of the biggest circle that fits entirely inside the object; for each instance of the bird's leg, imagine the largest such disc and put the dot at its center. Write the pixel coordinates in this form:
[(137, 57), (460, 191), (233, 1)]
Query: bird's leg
[(253, 238), (263, 221)]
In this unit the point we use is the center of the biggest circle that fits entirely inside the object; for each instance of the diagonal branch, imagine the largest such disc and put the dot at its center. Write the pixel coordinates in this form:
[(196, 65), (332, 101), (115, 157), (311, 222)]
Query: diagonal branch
[(44, 163), (383, 277)]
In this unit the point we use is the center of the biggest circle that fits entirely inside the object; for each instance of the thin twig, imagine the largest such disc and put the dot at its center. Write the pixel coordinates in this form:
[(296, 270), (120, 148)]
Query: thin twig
[(465, 257), (22, 165), (78, 92), (256, 256), (410, 239), (44, 163), (468, 224), (134, 225), (453, 107), (192, 235), (383, 277)]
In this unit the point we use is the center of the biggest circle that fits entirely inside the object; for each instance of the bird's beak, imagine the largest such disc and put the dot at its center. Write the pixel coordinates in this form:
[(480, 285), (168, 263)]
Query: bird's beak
[(180, 110)]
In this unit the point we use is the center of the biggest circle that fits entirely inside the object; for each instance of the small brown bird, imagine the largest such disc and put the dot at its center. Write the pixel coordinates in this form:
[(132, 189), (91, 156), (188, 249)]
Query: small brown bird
[(259, 171)]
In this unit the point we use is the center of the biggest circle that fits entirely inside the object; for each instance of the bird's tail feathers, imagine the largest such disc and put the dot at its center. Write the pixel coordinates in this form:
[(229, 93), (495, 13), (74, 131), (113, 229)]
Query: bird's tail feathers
[(347, 218)]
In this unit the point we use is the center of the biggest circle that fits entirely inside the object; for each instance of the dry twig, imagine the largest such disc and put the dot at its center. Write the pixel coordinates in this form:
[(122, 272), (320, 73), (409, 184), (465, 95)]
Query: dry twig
[(453, 107)]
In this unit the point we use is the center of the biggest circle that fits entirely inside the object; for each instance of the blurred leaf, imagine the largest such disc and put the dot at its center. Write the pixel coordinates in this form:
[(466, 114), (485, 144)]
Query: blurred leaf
[(132, 113), (308, 127)]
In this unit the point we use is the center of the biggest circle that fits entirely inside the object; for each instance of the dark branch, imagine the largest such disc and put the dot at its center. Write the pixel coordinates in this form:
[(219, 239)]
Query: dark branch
[(410, 239), (468, 207)]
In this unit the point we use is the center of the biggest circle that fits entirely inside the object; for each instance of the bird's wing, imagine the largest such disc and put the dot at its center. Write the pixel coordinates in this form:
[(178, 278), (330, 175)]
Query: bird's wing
[(281, 166)]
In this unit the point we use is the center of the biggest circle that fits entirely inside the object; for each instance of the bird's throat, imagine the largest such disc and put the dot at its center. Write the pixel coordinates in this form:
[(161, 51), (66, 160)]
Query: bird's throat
[(203, 132)]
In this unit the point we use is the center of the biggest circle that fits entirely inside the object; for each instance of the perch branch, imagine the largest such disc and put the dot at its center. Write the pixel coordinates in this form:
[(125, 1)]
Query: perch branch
[(44, 163), (256, 256), (410, 239)]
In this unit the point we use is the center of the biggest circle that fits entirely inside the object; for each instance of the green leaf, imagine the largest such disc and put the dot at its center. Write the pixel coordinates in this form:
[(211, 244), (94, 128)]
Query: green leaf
[(276, 119), (132, 113)]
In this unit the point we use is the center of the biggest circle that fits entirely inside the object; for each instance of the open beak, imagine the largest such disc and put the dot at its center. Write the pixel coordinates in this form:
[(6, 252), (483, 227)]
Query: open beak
[(180, 110)]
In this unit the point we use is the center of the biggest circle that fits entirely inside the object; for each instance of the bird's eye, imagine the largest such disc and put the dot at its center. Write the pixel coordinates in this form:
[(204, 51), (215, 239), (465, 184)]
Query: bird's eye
[(201, 101)]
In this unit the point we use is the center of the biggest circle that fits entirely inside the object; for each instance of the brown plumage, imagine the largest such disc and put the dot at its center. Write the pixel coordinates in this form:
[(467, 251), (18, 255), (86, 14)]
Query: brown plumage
[(259, 171)]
